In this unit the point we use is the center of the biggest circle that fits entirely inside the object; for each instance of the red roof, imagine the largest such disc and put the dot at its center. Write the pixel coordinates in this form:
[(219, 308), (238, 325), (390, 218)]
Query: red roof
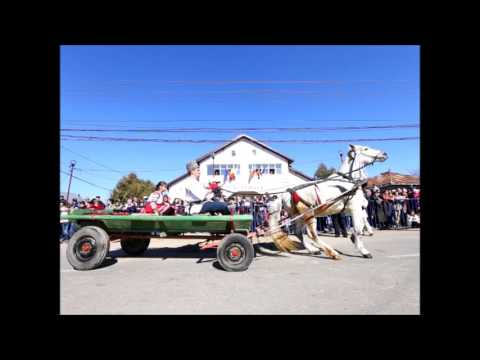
[(392, 178)]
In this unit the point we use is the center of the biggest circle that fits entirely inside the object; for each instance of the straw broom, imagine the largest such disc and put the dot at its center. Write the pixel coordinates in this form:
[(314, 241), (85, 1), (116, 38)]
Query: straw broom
[(283, 242)]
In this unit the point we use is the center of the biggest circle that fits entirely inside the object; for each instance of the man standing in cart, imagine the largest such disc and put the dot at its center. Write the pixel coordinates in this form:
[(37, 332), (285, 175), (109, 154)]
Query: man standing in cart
[(199, 197)]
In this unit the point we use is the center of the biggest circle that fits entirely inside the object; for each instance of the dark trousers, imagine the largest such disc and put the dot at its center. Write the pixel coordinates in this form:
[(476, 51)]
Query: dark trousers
[(322, 224), (213, 207), (339, 224)]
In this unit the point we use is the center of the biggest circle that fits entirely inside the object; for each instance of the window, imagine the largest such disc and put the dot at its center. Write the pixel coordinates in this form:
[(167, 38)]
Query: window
[(233, 153), (271, 169), (278, 168), (254, 152), (220, 169)]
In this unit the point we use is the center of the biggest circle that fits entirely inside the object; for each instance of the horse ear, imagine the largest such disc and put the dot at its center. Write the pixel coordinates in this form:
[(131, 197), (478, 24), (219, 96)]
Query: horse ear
[(352, 146)]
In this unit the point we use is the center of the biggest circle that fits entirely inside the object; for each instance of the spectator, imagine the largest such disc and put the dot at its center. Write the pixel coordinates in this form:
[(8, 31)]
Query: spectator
[(231, 206), (388, 208), (371, 212), (130, 206), (247, 206), (323, 224), (64, 223), (98, 204), (91, 204), (110, 204), (398, 200), (413, 220), (74, 204), (380, 211), (339, 224)]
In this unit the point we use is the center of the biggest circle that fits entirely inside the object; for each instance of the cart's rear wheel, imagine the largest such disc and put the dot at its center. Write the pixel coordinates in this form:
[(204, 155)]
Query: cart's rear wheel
[(134, 246), (235, 253), (88, 247)]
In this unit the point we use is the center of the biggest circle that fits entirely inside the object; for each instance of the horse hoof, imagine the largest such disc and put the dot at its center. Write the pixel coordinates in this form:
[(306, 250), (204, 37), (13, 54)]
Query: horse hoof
[(367, 256)]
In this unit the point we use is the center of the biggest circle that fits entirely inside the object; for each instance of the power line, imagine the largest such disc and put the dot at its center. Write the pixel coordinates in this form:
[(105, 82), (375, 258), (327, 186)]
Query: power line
[(104, 170), (192, 141), (251, 81), (96, 176), (86, 158), (117, 122), (85, 181), (230, 130)]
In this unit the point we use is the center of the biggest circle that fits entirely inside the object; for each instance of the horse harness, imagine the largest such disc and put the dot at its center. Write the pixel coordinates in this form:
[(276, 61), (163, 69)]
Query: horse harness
[(346, 194)]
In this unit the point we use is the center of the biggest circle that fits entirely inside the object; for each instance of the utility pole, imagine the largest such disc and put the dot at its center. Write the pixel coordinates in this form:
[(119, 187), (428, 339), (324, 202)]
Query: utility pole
[(213, 166), (72, 165)]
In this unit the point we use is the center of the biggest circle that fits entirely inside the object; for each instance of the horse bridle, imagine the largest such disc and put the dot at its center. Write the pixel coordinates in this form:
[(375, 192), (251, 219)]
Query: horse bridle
[(350, 176)]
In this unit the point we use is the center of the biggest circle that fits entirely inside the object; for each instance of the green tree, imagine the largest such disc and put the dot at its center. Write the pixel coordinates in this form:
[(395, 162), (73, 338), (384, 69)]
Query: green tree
[(323, 171), (131, 186)]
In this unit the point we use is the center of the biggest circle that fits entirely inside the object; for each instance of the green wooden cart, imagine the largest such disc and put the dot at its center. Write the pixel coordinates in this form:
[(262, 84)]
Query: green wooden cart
[(89, 246)]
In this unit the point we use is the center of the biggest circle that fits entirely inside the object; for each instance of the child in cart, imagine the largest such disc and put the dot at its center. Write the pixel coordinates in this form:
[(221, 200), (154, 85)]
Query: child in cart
[(156, 203)]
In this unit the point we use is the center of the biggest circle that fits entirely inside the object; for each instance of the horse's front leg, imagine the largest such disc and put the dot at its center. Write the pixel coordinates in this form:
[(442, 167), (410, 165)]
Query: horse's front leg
[(358, 224), (306, 241)]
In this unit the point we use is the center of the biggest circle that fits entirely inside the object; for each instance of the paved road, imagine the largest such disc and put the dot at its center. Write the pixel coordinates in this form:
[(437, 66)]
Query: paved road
[(171, 279)]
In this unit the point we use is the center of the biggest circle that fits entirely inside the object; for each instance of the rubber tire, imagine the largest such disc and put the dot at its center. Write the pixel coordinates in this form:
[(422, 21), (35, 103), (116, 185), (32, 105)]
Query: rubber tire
[(102, 245), (135, 246), (226, 263)]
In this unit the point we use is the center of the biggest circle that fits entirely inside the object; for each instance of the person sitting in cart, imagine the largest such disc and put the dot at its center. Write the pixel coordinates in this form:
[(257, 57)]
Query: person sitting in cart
[(152, 205), (165, 207), (199, 197)]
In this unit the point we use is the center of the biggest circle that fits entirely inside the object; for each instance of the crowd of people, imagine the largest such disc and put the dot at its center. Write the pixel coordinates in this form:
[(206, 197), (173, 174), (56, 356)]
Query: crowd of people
[(387, 209), (393, 209)]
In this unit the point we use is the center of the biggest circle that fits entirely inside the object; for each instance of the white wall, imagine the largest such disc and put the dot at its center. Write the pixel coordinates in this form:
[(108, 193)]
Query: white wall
[(244, 156)]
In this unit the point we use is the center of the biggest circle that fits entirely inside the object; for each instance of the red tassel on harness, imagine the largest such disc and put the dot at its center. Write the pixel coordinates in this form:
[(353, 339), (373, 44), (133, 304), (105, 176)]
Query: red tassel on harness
[(295, 197), (213, 186)]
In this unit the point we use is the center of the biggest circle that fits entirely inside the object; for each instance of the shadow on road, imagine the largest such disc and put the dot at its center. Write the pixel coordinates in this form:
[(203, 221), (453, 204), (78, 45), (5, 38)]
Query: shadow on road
[(109, 261), (349, 255), (181, 252)]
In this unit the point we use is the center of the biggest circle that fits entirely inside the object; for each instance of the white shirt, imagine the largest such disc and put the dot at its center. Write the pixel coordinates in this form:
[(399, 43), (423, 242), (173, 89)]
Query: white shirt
[(64, 212), (194, 191), (412, 218)]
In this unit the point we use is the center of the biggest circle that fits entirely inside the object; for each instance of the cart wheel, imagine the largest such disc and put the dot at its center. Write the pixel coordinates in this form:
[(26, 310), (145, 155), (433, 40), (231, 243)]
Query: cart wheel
[(88, 247), (134, 246), (235, 253)]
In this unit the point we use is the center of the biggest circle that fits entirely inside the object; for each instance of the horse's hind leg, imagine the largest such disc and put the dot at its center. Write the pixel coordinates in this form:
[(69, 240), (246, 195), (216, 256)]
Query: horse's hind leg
[(358, 224), (312, 233)]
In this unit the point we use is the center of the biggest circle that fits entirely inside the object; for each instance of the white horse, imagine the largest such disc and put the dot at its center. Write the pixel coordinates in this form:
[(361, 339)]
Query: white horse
[(320, 196)]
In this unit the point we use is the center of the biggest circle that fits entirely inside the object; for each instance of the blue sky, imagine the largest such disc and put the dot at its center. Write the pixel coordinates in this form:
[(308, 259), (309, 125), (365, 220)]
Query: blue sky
[(134, 87)]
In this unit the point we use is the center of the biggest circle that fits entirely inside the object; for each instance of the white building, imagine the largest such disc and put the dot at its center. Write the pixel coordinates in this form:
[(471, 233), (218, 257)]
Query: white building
[(242, 156)]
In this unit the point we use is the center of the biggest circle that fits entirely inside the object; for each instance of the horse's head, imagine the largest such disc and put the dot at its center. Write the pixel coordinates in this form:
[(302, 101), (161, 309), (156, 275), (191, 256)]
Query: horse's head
[(365, 154)]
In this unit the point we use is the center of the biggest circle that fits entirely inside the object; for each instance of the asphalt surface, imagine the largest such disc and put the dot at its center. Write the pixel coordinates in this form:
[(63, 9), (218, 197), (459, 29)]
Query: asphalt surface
[(173, 278)]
